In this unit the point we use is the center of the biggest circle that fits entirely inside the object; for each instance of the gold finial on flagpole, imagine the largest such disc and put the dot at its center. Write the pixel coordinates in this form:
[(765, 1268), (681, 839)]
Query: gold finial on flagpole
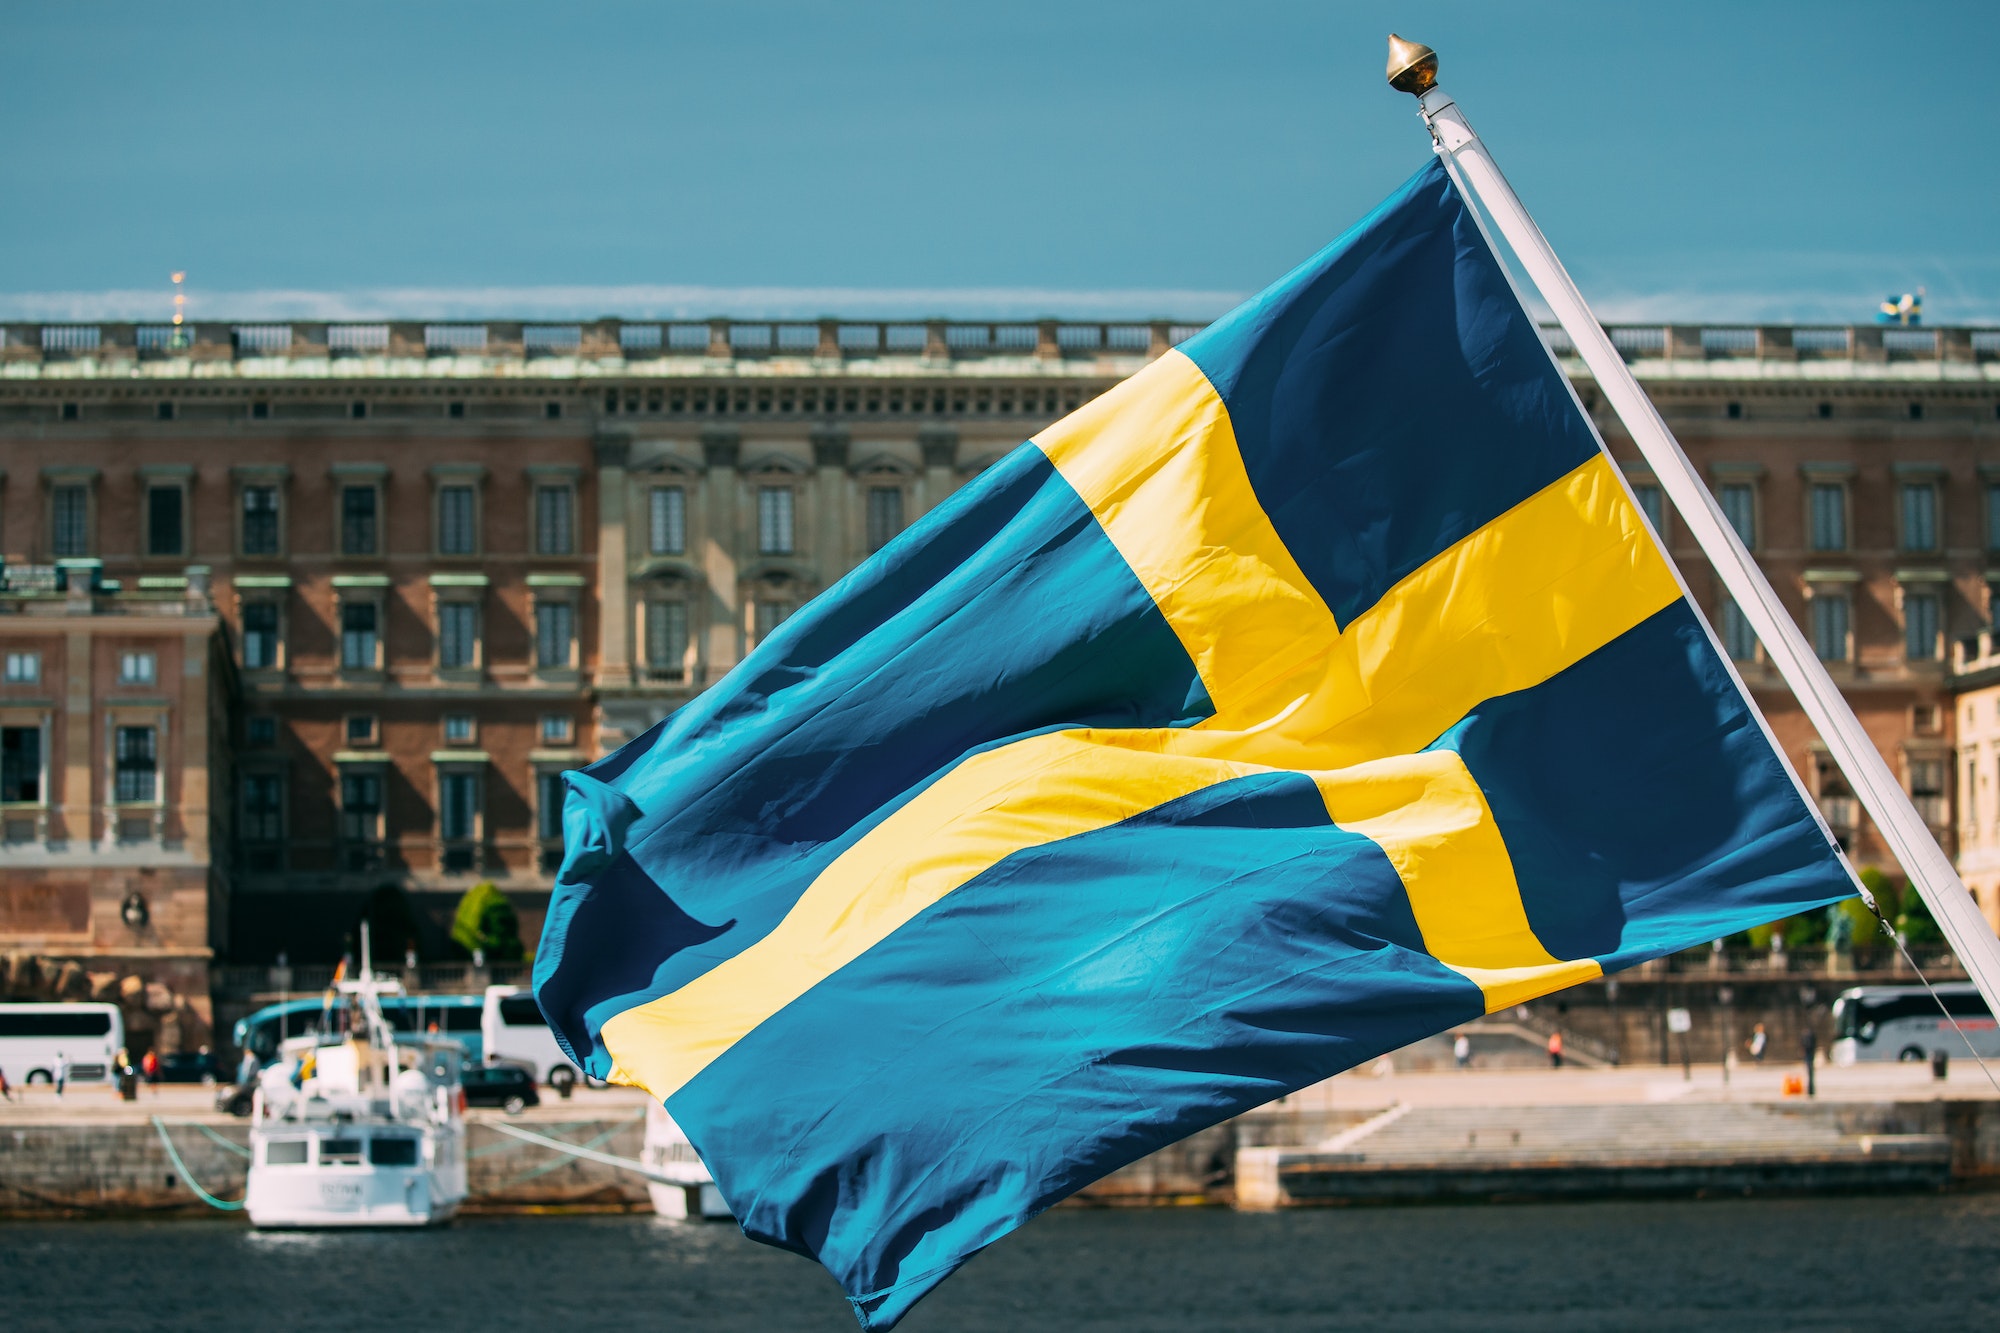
[(1413, 67)]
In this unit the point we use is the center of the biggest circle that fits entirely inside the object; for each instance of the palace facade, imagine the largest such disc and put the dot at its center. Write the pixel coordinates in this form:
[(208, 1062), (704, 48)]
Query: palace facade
[(437, 564)]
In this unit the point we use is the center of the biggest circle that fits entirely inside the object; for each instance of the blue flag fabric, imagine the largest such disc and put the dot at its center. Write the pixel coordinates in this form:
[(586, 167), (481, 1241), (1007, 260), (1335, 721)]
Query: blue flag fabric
[(1316, 689)]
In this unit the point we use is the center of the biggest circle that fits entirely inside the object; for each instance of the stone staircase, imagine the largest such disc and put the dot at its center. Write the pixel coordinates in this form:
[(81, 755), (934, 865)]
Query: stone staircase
[(1658, 1131), (1592, 1150)]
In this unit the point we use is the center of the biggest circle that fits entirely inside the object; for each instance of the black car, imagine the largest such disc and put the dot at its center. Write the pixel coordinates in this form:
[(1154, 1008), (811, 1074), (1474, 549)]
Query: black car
[(509, 1087), (190, 1067), (235, 1098)]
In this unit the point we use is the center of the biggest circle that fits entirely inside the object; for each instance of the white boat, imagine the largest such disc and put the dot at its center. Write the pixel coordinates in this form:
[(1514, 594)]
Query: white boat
[(678, 1182), (354, 1128)]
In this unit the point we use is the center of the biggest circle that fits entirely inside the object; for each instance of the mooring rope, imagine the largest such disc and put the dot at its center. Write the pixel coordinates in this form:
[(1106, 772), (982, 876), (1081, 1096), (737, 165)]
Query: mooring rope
[(595, 1141), (221, 1140), (566, 1127), (173, 1155), (589, 1155)]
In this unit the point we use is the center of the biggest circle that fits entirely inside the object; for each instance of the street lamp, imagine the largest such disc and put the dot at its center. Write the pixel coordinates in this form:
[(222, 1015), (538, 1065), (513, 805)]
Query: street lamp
[(1727, 994), (1611, 995)]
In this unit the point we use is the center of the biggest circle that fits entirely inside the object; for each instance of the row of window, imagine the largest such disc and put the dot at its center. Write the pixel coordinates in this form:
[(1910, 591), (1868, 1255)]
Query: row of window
[(135, 765), (458, 636), (135, 667), (363, 817), (1919, 530), (260, 732), (364, 729), (1831, 623), (260, 527), (459, 643), (457, 520), (260, 530)]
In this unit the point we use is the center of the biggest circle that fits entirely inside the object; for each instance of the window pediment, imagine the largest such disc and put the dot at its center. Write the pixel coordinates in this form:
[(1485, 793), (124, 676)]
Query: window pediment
[(670, 465), (776, 465), (885, 466)]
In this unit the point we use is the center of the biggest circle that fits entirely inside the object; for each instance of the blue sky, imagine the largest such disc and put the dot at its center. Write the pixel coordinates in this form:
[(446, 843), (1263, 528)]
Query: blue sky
[(1688, 160)]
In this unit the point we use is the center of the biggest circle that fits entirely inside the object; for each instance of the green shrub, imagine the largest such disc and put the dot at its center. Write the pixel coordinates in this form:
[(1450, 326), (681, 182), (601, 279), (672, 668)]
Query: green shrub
[(1861, 927), (486, 920)]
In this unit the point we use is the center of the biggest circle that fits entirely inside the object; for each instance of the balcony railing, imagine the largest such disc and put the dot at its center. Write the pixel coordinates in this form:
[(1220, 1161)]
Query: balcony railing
[(1807, 961), (1976, 652)]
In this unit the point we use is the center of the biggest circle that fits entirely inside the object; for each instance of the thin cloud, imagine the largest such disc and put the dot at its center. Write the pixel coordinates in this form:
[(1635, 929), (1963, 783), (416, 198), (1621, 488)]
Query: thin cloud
[(1802, 288), (630, 302)]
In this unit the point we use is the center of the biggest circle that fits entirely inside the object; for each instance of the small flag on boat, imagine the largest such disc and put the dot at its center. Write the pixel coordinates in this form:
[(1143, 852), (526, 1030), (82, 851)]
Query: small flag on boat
[(1905, 309), (1315, 690)]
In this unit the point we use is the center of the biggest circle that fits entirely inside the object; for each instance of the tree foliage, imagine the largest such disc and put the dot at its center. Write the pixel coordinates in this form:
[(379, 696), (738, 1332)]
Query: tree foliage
[(485, 920)]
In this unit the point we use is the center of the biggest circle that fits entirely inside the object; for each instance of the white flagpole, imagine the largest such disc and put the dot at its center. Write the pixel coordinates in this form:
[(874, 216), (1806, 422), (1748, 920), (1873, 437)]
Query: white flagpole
[(1413, 69)]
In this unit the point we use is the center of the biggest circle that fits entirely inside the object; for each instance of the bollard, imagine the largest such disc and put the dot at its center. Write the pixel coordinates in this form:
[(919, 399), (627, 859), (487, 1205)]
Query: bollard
[(1940, 1063)]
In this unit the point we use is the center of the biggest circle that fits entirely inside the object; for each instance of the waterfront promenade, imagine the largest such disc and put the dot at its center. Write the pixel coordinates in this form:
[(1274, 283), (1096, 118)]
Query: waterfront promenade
[(1366, 1135), (1357, 1091)]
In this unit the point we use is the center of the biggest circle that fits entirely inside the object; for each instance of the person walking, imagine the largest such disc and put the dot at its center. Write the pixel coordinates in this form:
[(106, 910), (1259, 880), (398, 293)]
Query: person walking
[(6, 1091), (1461, 1050), (1809, 1047), (62, 1072), (1758, 1043), (1556, 1049)]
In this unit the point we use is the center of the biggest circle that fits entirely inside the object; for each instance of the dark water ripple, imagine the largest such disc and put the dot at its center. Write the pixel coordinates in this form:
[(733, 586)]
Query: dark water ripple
[(1818, 1264)]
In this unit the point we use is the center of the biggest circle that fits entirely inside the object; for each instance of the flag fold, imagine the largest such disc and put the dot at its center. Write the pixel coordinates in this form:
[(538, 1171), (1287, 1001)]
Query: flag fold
[(1316, 689)]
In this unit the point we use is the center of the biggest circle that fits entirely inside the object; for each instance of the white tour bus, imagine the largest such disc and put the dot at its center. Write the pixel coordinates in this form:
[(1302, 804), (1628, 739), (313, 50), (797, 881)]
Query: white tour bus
[(515, 1033), (1905, 1023), (32, 1036)]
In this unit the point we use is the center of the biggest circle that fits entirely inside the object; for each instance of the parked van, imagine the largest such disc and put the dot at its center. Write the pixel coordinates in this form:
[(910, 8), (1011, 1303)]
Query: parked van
[(516, 1033)]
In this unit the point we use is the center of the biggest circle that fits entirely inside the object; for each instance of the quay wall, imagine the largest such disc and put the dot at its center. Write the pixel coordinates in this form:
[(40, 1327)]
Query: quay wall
[(84, 1169)]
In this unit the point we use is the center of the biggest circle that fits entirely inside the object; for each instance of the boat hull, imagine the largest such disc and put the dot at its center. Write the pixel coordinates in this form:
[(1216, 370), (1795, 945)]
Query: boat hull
[(292, 1197), (701, 1200), (681, 1186)]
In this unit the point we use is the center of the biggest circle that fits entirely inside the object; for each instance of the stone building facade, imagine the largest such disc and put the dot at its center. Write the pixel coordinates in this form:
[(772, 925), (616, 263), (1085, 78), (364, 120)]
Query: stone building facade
[(1976, 670), (1861, 466), (115, 782), (448, 561)]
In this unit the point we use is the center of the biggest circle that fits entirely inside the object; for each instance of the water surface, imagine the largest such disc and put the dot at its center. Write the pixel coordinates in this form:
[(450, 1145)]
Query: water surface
[(1819, 1264)]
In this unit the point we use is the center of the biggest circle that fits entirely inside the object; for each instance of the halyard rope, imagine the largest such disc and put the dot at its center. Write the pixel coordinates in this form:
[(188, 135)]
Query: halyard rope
[(1868, 901)]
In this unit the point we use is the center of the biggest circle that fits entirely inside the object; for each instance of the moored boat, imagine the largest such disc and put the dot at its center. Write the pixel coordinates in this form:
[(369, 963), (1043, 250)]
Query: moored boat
[(352, 1127), (678, 1182)]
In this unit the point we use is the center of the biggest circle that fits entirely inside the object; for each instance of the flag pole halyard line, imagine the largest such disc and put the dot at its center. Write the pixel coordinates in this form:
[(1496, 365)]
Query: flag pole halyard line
[(1881, 795)]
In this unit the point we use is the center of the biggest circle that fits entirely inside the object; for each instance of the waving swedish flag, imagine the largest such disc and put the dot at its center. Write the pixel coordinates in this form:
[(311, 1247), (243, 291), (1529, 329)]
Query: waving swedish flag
[(1318, 688)]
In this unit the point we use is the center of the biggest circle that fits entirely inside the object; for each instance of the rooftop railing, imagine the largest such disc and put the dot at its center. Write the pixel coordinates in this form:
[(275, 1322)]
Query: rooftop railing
[(1976, 652), (726, 339)]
